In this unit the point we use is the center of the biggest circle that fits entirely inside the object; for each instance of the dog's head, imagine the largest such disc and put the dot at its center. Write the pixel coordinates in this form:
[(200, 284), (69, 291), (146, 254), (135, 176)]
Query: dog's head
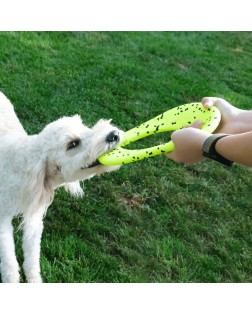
[(72, 149)]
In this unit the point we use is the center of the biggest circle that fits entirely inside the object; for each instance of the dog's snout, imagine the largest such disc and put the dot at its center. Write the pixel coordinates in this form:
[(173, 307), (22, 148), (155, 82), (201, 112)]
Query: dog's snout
[(113, 136)]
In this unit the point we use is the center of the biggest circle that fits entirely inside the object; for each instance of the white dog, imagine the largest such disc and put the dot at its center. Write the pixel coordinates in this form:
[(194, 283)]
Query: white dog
[(32, 167)]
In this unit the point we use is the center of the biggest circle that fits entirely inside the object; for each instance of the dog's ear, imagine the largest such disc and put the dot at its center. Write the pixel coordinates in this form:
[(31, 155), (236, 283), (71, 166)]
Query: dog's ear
[(36, 193), (74, 189)]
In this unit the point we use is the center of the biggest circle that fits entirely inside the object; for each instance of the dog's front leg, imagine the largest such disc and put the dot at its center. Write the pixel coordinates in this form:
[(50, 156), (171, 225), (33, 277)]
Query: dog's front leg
[(9, 264), (33, 228)]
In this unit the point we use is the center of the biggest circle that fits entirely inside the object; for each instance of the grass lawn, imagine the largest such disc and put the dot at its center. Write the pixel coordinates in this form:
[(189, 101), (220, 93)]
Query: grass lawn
[(152, 221)]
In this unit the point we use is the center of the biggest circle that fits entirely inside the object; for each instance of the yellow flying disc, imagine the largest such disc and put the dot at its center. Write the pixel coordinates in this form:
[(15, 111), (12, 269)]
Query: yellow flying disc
[(171, 120)]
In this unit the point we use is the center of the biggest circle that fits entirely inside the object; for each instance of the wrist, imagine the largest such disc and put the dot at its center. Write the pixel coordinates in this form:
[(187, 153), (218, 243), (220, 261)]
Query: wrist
[(209, 150)]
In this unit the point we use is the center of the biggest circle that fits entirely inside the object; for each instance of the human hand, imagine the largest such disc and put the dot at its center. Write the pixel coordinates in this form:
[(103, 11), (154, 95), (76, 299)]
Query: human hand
[(188, 144), (231, 120), (188, 141)]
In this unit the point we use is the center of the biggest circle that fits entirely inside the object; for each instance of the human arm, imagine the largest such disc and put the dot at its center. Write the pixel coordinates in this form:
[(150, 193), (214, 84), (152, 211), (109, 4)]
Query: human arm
[(237, 148), (189, 141)]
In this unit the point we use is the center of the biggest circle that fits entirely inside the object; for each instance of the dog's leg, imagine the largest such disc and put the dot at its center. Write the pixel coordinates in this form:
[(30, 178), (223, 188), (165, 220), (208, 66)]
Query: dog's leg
[(9, 264), (31, 246)]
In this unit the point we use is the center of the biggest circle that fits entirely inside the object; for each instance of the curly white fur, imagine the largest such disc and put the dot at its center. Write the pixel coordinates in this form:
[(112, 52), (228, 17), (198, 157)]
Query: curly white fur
[(32, 167)]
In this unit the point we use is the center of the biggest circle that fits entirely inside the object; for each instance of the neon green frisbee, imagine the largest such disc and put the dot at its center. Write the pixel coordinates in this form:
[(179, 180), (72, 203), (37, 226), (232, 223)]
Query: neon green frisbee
[(171, 120)]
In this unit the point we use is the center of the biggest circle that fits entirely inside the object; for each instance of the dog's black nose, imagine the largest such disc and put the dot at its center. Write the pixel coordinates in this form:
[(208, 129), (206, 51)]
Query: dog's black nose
[(113, 136)]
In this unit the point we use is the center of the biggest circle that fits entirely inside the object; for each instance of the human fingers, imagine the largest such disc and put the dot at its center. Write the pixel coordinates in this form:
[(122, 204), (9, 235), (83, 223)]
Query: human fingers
[(188, 145), (208, 102), (197, 124), (220, 103)]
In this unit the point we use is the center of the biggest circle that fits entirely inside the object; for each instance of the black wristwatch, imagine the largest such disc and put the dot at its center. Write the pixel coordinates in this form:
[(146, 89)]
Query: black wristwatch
[(208, 150)]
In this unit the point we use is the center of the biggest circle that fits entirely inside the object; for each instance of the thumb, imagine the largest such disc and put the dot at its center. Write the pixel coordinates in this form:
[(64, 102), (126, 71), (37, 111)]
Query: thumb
[(208, 102), (197, 124), (169, 155)]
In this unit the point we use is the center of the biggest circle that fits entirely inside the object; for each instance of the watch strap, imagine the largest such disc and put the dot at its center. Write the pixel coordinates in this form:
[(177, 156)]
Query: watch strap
[(209, 151)]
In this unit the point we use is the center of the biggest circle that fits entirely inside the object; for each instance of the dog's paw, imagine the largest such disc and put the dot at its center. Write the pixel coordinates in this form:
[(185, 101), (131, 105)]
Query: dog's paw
[(34, 279), (74, 189)]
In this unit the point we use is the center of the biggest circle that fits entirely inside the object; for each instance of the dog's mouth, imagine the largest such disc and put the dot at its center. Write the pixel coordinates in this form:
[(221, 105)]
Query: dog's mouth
[(112, 139), (94, 164)]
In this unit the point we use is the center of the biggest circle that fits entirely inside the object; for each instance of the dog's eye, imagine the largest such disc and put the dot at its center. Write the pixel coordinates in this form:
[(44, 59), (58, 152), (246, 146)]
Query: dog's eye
[(73, 144)]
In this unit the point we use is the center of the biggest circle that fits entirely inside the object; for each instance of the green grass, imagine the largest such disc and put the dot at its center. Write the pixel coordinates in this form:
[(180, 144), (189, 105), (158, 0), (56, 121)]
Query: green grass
[(152, 221)]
